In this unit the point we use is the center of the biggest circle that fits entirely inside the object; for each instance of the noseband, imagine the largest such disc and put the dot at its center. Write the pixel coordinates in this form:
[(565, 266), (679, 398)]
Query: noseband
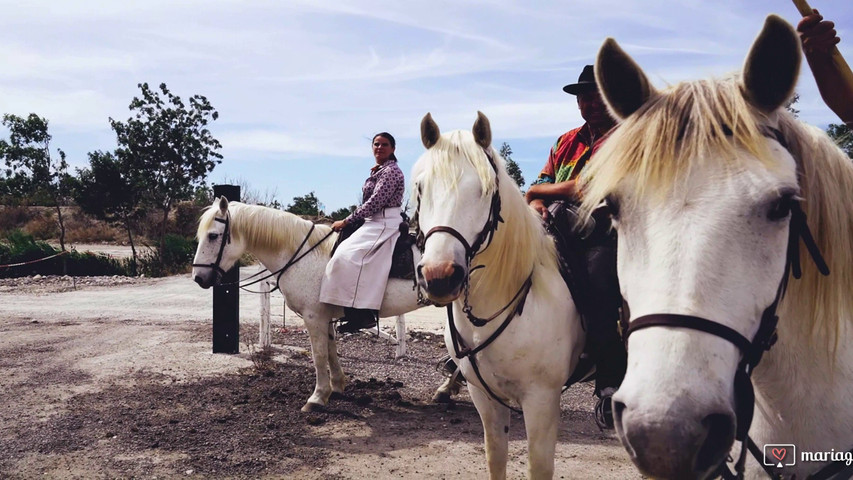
[(765, 337), (226, 238)]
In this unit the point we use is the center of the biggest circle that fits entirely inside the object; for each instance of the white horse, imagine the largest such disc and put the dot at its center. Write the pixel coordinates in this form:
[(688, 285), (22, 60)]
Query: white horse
[(704, 182), (228, 229), (507, 271)]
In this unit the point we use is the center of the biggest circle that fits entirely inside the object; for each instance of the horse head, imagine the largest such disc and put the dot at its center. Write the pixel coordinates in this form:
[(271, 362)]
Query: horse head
[(455, 193), (218, 248), (701, 192)]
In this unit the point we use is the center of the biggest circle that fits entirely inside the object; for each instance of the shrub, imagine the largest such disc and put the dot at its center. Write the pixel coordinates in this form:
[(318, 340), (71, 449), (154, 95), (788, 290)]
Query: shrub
[(12, 217), (43, 226), (20, 247), (176, 257), (186, 215)]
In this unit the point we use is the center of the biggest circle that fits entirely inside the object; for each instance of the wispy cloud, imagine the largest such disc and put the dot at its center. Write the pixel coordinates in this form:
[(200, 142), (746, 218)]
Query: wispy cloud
[(303, 84)]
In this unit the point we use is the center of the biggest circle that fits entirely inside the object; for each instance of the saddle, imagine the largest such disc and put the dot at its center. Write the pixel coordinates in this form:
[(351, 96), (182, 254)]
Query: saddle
[(402, 260)]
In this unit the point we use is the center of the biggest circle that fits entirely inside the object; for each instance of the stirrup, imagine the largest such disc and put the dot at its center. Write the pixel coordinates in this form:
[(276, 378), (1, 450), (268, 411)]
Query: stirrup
[(447, 367), (357, 320), (604, 410)]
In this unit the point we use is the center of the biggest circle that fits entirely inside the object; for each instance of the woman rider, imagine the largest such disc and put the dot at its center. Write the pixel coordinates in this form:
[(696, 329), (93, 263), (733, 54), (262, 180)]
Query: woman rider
[(356, 275)]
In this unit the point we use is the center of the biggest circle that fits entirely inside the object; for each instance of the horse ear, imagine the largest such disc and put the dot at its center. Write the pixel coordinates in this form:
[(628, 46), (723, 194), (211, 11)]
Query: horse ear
[(223, 205), (429, 131), (482, 130), (772, 66), (621, 81)]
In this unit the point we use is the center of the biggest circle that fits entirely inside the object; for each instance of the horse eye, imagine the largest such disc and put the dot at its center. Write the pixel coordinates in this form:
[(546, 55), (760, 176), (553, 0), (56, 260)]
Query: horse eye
[(781, 208), (611, 206), (212, 236)]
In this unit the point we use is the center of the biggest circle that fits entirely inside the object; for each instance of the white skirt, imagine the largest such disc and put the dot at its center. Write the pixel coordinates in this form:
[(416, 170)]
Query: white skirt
[(358, 272)]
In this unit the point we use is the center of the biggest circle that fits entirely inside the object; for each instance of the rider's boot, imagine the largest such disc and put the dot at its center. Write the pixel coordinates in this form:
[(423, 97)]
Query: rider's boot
[(356, 319)]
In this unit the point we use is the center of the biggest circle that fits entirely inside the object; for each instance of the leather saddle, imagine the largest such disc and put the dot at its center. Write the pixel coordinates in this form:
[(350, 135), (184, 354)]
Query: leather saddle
[(402, 260)]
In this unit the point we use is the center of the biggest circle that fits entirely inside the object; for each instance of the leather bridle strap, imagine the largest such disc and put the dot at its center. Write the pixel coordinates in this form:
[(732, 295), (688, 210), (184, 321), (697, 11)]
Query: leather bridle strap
[(469, 253), (293, 259), (226, 238), (693, 323)]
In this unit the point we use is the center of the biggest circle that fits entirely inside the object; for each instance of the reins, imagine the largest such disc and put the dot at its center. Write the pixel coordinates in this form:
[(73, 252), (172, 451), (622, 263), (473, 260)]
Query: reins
[(293, 258)]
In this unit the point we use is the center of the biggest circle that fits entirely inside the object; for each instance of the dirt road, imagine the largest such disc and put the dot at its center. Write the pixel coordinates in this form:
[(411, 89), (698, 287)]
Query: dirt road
[(114, 379)]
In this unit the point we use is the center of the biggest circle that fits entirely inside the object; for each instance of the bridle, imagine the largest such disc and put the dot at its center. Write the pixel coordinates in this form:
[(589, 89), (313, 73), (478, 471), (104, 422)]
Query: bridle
[(481, 242), (226, 238), (765, 337)]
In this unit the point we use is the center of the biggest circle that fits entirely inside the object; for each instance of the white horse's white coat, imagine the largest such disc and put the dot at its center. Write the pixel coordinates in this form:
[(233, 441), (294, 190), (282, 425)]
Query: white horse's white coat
[(530, 361), (703, 231), (273, 236)]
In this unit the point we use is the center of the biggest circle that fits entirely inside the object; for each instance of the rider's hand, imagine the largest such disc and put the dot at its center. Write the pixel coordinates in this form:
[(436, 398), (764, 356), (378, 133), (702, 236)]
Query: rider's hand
[(339, 225), (817, 34), (539, 205)]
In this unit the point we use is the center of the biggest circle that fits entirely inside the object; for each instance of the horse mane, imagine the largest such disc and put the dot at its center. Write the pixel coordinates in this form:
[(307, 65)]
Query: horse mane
[(267, 229), (520, 243), (671, 134)]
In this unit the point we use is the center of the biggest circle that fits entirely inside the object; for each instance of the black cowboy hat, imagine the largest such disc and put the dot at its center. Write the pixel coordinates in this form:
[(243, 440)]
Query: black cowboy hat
[(586, 82)]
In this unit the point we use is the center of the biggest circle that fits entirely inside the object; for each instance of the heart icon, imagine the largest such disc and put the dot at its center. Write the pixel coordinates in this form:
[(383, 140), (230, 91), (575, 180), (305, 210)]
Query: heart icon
[(779, 453)]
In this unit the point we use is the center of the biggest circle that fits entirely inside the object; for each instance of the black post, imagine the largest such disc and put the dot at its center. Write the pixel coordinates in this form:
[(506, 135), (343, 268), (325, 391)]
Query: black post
[(226, 299)]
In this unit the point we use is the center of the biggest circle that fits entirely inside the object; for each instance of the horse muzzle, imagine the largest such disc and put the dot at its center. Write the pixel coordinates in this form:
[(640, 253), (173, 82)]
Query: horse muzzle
[(442, 281), (674, 441), (206, 279)]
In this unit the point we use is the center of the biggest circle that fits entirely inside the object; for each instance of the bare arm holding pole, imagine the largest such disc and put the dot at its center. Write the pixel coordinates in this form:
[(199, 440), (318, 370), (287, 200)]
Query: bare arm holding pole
[(832, 74)]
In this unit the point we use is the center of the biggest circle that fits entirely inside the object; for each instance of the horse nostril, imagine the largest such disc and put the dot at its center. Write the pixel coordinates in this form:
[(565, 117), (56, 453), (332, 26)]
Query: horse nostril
[(458, 275), (720, 430), (420, 271)]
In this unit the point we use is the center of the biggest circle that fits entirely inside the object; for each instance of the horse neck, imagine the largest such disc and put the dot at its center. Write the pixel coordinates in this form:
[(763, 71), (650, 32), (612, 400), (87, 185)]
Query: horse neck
[(804, 387), (277, 253), (519, 244)]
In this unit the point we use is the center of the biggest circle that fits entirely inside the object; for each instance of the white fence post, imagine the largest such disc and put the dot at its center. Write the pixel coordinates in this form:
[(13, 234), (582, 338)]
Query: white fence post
[(264, 330)]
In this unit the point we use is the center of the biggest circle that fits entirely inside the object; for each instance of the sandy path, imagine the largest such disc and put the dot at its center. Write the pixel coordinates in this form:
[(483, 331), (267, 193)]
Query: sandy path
[(106, 336)]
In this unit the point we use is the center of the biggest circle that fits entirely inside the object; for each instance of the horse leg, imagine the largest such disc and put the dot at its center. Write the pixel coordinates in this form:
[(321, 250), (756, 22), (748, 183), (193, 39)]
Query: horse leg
[(541, 419), (339, 380), (449, 388), (318, 332), (495, 418)]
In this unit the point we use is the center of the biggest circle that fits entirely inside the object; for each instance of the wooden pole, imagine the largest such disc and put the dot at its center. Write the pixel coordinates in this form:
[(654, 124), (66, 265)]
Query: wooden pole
[(805, 9)]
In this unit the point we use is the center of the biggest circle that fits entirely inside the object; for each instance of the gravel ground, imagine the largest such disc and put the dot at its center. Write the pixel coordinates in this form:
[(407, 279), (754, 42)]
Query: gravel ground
[(112, 377)]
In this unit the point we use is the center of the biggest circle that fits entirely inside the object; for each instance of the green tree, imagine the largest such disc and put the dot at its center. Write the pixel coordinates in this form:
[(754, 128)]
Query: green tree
[(790, 105), (109, 190), (843, 136), (31, 170), (511, 167), (170, 143), (342, 213), (307, 205)]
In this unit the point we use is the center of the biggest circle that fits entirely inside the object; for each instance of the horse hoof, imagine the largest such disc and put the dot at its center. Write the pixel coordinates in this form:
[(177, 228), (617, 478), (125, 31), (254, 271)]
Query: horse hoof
[(336, 395), (441, 397), (312, 407)]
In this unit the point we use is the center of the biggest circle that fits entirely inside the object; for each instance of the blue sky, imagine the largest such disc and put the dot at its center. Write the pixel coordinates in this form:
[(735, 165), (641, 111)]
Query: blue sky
[(302, 85)]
